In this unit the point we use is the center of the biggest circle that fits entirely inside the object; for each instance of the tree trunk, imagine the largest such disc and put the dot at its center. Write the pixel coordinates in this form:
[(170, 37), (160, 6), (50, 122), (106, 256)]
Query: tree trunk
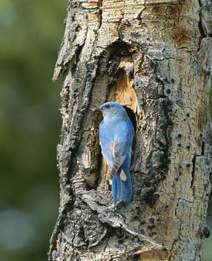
[(154, 57)]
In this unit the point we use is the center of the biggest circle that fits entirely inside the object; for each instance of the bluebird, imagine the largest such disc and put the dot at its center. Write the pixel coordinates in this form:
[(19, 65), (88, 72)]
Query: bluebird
[(116, 136)]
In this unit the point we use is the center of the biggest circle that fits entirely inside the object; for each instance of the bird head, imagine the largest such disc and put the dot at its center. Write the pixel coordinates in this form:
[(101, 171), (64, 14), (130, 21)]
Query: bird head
[(112, 110)]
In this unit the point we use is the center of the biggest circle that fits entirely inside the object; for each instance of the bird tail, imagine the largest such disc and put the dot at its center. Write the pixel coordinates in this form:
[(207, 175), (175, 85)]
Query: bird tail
[(122, 185)]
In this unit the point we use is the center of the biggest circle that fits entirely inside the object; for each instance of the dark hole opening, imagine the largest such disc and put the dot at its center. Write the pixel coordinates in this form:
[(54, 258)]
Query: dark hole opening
[(132, 116)]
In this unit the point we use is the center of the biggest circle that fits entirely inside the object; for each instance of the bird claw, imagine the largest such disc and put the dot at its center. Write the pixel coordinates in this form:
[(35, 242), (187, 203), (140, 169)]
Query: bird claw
[(116, 206)]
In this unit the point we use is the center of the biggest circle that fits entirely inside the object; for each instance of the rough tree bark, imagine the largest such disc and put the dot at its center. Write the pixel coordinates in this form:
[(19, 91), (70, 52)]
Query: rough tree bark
[(154, 57)]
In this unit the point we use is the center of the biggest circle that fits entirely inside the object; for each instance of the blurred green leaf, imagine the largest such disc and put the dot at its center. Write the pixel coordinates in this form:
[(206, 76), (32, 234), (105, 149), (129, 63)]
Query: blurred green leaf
[(31, 32)]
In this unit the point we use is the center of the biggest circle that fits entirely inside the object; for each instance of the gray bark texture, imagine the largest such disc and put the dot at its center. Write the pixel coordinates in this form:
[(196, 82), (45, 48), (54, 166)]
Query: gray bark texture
[(154, 57)]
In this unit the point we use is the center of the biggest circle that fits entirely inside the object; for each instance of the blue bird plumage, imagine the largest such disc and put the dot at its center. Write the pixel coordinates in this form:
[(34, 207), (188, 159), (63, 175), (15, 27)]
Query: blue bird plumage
[(116, 136)]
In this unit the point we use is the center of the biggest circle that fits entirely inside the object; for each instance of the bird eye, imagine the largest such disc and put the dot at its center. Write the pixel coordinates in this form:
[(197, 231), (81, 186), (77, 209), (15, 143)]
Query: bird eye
[(107, 106)]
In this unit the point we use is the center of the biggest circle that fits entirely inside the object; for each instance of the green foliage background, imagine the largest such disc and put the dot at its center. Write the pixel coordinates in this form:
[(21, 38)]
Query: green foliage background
[(31, 32)]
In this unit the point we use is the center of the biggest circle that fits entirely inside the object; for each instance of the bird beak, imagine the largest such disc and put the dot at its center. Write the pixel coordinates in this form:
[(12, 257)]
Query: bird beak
[(101, 108)]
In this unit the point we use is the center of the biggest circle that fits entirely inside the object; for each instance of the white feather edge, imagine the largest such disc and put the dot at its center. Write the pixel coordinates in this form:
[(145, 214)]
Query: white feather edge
[(123, 176)]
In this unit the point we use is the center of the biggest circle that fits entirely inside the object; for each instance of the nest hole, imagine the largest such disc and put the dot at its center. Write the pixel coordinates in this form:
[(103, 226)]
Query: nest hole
[(121, 91)]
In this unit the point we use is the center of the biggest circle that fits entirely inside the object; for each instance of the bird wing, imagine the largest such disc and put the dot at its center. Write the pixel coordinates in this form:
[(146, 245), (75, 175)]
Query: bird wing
[(105, 139), (121, 147)]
